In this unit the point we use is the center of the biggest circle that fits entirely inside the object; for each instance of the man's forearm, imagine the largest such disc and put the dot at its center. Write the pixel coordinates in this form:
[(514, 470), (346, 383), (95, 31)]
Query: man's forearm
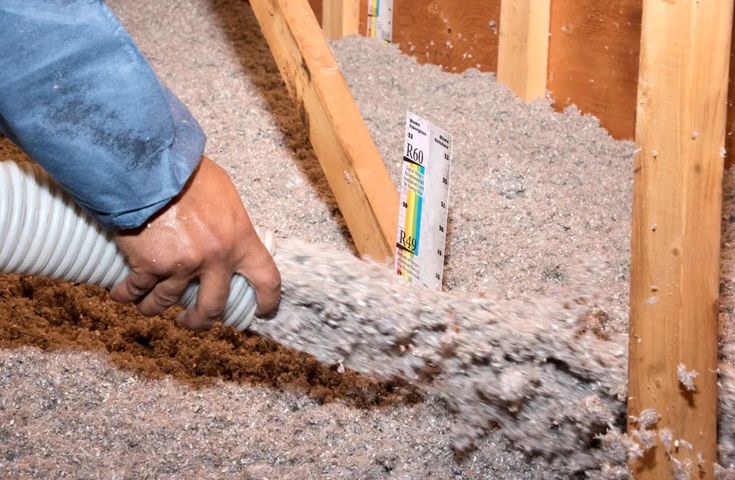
[(80, 99)]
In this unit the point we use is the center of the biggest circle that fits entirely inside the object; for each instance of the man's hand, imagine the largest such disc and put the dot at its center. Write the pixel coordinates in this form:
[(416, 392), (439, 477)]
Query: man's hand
[(203, 233)]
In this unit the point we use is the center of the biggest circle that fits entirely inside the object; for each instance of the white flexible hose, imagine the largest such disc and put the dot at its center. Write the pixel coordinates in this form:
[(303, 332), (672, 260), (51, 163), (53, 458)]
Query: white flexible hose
[(43, 232)]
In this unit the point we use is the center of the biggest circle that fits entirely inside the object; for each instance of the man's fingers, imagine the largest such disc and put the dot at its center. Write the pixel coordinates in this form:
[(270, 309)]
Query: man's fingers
[(262, 273), (214, 288), (163, 296), (267, 290), (135, 285)]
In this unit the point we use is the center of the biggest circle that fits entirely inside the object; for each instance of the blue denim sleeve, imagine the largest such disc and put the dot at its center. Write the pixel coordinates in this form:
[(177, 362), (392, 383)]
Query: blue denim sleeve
[(78, 96)]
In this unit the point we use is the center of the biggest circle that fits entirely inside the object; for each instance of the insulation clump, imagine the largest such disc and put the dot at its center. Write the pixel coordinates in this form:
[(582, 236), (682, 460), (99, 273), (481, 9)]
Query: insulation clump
[(686, 377), (667, 440), (681, 469), (646, 438), (648, 418), (724, 473)]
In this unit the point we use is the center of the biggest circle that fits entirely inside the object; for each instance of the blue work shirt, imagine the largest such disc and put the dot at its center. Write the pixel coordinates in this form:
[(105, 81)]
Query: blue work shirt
[(78, 96)]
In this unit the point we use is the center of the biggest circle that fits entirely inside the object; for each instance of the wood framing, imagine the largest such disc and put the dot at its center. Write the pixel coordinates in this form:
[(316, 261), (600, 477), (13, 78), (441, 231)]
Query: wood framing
[(340, 18), (682, 96), (351, 162), (593, 50), (656, 71), (523, 51)]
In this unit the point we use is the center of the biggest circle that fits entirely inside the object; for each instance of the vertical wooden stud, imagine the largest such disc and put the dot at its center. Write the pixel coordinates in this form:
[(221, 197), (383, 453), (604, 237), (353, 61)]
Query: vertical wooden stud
[(340, 18), (681, 111), (523, 51)]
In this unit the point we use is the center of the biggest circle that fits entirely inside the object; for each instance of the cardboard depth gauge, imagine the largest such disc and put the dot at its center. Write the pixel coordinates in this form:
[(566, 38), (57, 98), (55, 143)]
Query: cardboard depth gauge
[(422, 216), (380, 20)]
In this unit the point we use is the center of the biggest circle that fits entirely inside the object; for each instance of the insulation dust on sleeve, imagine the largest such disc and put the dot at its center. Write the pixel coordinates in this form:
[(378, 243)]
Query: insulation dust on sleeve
[(526, 365)]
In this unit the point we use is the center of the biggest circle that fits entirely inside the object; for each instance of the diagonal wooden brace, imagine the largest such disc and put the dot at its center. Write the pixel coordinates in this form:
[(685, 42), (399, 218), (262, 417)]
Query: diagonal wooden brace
[(351, 162)]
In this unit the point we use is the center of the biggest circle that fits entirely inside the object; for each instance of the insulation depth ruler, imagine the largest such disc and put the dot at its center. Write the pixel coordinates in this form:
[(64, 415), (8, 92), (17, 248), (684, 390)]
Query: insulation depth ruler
[(380, 19), (422, 216)]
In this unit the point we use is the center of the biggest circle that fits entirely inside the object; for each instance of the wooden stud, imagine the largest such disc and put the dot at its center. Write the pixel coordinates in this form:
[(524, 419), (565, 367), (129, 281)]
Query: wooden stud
[(351, 162), (340, 18), (682, 94), (523, 51)]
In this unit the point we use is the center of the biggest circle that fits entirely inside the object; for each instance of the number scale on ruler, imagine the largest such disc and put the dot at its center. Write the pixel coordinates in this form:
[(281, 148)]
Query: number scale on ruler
[(422, 216), (380, 20)]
